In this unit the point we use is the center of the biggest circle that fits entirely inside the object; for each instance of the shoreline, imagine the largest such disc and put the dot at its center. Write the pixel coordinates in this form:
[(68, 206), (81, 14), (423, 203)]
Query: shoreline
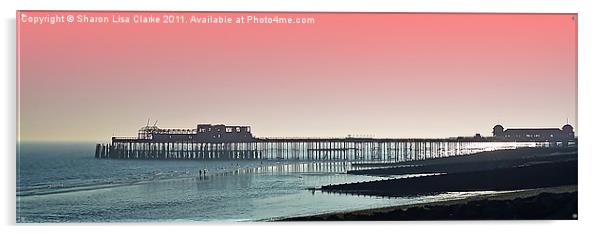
[(505, 170), (531, 184), (367, 214)]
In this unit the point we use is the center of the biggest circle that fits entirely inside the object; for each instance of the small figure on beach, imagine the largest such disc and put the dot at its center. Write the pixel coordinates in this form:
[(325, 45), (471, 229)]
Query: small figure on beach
[(202, 173)]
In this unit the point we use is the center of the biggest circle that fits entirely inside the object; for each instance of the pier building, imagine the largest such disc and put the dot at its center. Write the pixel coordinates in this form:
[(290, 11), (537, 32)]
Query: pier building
[(202, 133), (565, 133)]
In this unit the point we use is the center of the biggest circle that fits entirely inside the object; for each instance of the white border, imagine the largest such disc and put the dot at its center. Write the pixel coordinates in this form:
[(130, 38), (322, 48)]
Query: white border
[(589, 111)]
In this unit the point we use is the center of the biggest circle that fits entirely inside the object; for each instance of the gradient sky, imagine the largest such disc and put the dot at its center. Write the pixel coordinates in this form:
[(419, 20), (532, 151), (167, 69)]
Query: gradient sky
[(388, 75)]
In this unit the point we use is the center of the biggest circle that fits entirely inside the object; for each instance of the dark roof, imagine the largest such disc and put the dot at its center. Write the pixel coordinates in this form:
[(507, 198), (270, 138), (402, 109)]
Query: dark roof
[(516, 130)]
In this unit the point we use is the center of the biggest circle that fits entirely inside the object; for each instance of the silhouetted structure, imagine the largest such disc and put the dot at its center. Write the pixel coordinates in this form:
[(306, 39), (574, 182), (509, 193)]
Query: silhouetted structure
[(219, 141), (535, 134), (202, 133)]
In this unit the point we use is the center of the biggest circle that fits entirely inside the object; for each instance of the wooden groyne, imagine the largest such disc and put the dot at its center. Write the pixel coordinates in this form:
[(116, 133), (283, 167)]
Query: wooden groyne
[(547, 174)]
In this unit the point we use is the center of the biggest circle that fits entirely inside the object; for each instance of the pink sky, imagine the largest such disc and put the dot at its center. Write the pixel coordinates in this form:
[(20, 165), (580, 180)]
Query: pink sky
[(389, 75)]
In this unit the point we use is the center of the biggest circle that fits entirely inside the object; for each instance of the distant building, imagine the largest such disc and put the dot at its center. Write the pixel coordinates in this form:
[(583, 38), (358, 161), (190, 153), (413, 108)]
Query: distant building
[(534, 134), (202, 133)]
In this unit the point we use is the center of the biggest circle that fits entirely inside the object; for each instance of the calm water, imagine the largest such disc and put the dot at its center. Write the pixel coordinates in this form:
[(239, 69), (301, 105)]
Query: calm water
[(65, 183)]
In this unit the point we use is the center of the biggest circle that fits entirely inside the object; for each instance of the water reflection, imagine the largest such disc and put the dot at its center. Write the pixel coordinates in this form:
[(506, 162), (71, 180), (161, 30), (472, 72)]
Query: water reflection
[(283, 168)]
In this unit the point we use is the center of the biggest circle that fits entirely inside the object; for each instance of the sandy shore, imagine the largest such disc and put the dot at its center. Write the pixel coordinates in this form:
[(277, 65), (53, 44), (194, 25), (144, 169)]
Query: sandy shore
[(522, 204)]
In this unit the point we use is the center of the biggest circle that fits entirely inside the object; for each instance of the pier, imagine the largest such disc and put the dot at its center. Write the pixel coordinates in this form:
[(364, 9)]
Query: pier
[(347, 149), (220, 142)]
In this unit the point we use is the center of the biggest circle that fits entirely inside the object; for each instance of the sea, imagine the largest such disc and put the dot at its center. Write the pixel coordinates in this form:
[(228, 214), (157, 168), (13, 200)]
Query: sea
[(63, 182)]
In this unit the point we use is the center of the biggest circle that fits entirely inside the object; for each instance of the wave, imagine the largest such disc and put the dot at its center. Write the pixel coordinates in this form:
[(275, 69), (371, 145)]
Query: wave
[(45, 189), (67, 186)]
